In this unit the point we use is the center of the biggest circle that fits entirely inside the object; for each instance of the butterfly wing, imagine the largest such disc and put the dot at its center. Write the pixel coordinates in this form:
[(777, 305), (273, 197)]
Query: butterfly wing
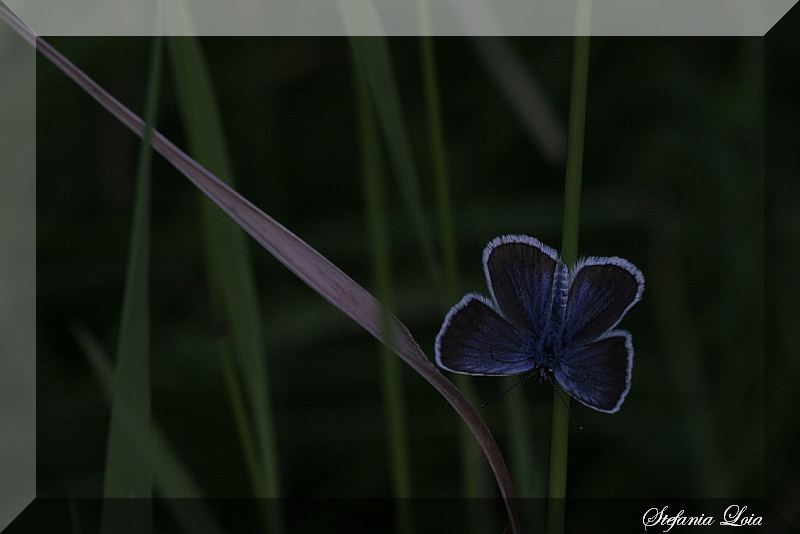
[(601, 291), (476, 340), (598, 374), (527, 281)]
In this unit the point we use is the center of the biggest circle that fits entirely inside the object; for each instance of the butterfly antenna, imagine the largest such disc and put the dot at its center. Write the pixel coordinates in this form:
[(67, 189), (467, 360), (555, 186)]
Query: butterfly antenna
[(572, 415), (512, 386)]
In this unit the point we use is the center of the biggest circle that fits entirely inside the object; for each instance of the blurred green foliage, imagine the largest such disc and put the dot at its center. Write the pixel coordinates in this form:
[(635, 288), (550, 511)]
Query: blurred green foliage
[(673, 182)]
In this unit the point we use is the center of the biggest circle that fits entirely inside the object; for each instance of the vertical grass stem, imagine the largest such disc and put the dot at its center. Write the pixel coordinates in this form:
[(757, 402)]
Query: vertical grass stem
[(569, 254)]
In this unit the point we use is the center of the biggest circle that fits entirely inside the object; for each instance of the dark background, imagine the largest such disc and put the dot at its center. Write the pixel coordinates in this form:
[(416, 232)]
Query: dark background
[(674, 181)]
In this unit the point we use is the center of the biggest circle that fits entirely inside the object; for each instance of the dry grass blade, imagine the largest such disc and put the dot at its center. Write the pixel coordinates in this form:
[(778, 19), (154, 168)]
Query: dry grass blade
[(305, 262)]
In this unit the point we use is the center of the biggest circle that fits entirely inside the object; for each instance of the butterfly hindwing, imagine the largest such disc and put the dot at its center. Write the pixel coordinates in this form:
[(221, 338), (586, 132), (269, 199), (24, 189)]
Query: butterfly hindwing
[(598, 374)]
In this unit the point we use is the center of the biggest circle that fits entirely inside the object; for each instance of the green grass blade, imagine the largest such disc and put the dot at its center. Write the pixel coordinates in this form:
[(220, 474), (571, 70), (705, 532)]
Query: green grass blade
[(372, 56), (528, 478), (471, 465), (128, 469), (172, 479), (447, 240), (233, 291), (374, 179), (569, 254)]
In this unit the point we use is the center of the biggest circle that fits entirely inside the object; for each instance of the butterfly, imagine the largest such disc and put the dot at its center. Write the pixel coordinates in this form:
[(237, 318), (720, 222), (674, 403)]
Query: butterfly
[(545, 317)]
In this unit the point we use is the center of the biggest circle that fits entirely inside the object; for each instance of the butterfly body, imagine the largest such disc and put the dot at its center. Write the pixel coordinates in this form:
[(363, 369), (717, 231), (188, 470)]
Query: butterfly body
[(544, 316)]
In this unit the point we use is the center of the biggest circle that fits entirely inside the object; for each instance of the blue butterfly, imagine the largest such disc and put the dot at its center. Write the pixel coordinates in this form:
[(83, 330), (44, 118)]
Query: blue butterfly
[(547, 318)]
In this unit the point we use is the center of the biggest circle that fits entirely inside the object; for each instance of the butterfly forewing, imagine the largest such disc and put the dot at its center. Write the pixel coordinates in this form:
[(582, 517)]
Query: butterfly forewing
[(522, 274), (477, 340), (601, 290)]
